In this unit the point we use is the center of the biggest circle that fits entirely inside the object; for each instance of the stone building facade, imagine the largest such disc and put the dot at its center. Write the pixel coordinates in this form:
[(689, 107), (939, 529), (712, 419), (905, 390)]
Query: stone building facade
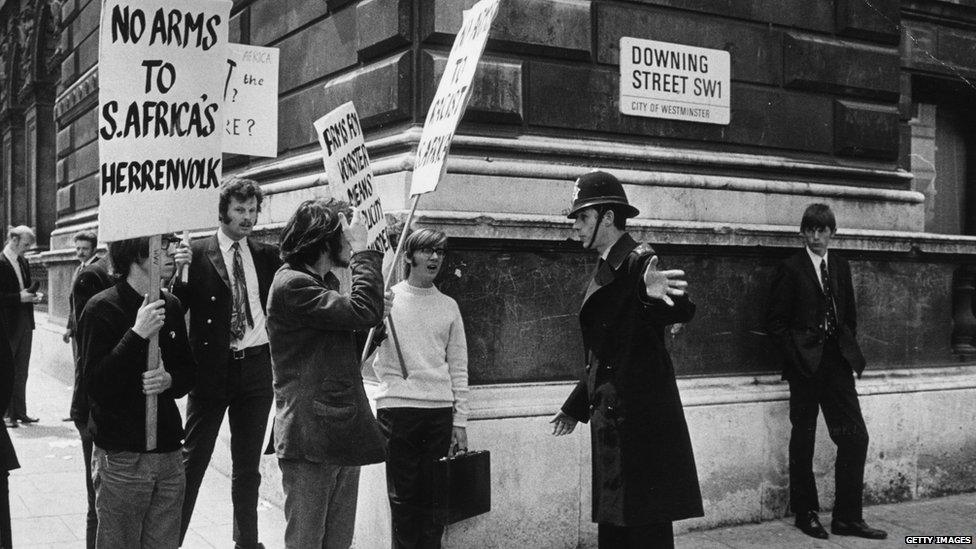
[(867, 105)]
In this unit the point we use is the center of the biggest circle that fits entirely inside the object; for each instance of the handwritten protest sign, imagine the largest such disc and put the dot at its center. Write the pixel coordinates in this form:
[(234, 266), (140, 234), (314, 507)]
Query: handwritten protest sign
[(452, 96), (251, 101), (348, 171), (161, 82)]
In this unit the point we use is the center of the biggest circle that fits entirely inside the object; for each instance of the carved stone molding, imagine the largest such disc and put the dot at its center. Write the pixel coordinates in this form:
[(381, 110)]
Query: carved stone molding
[(10, 74), (39, 39), (77, 98)]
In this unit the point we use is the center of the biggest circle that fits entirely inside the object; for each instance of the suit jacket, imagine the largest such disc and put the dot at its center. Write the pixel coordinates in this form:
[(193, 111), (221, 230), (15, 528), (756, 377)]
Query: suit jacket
[(92, 279), (16, 316), (643, 464), (322, 414), (208, 298), (797, 308), (8, 456)]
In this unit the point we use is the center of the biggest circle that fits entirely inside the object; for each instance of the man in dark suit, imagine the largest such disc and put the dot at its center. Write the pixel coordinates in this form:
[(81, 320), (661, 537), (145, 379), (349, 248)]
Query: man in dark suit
[(229, 278), (17, 298), (91, 277), (813, 320)]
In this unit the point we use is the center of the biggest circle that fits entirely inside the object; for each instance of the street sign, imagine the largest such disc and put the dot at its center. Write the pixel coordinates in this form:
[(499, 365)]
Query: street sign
[(674, 81)]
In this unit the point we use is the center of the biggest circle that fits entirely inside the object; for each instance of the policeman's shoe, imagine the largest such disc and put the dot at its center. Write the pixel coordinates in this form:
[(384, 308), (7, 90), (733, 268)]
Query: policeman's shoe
[(27, 419), (10, 422), (856, 528), (809, 523)]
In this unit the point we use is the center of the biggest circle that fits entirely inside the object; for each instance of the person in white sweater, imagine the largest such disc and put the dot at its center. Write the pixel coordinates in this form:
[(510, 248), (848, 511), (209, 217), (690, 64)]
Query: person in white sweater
[(421, 403)]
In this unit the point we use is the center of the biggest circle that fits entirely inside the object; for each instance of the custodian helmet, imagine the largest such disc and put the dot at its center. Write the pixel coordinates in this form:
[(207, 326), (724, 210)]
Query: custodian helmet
[(600, 188)]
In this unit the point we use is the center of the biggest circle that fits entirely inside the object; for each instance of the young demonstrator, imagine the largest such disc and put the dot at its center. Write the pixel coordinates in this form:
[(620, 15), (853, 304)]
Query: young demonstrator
[(422, 400)]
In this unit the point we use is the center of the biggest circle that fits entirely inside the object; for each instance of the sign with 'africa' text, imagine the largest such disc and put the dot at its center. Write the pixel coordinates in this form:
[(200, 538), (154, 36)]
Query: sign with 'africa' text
[(161, 73)]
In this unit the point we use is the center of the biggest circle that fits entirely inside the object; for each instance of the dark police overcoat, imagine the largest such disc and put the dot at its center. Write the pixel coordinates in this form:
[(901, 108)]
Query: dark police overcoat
[(643, 464)]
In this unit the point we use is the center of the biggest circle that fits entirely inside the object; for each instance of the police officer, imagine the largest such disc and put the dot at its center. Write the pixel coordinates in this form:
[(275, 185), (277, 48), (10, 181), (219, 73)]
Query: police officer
[(644, 474)]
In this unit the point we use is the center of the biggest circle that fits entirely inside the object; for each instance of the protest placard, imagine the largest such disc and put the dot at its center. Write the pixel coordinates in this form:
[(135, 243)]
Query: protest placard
[(452, 96), (251, 101), (348, 172), (161, 81)]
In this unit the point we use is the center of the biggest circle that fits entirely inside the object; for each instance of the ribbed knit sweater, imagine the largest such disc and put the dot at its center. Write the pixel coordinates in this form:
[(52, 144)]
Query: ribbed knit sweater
[(430, 332)]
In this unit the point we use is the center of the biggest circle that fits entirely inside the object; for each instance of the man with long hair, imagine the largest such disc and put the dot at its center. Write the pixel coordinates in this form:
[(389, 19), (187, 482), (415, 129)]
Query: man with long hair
[(324, 428)]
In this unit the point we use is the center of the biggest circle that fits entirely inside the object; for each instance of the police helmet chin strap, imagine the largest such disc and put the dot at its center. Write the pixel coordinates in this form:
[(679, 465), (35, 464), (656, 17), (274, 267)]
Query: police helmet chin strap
[(596, 227)]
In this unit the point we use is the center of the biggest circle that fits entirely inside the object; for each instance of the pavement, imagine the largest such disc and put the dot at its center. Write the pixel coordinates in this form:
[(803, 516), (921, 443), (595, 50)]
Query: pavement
[(48, 504), (47, 494)]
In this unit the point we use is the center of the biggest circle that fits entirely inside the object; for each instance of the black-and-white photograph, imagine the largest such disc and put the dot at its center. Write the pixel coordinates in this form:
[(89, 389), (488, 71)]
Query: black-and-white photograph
[(487, 274)]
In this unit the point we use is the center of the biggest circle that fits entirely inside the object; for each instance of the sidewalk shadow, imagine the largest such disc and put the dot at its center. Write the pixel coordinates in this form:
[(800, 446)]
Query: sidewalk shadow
[(43, 431)]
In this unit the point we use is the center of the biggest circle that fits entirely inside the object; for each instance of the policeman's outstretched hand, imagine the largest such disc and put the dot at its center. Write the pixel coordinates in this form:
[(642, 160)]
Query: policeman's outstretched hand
[(355, 231), (156, 381), (562, 424), (459, 441), (150, 318), (664, 284)]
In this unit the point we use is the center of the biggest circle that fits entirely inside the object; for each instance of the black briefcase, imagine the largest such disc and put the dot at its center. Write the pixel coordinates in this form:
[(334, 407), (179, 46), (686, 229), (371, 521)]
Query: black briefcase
[(462, 486)]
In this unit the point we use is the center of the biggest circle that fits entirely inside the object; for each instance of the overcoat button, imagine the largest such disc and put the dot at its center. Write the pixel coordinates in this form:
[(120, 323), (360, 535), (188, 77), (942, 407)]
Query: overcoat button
[(209, 321), (213, 298)]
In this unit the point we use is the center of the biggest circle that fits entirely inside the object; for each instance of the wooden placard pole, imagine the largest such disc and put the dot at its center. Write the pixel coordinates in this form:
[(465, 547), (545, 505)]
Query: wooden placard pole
[(152, 357), (389, 275)]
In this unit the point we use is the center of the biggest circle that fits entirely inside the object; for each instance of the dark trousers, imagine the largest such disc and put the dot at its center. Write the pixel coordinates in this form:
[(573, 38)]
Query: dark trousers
[(5, 541), (831, 389), (649, 536), (91, 520), (249, 397), (20, 345), (417, 437)]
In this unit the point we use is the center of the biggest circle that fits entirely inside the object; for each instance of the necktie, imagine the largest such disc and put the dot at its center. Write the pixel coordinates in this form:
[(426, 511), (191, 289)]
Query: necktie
[(830, 317), (240, 315)]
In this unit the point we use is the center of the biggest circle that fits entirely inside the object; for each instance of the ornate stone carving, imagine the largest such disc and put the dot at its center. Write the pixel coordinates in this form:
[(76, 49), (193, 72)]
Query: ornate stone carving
[(38, 38)]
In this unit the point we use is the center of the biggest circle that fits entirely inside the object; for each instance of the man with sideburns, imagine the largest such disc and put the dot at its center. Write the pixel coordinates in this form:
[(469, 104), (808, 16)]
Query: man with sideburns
[(229, 278)]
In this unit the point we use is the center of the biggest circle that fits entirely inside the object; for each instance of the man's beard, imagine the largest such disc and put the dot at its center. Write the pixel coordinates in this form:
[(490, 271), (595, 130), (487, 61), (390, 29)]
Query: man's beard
[(336, 257)]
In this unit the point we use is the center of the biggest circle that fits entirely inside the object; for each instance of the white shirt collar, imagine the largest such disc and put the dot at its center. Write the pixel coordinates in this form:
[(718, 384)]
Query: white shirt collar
[(225, 241), (816, 259), (10, 255)]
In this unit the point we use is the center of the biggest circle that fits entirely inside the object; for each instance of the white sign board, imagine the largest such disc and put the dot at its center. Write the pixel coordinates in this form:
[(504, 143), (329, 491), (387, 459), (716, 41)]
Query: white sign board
[(161, 81), (452, 96), (348, 171), (664, 80), (251, 101)]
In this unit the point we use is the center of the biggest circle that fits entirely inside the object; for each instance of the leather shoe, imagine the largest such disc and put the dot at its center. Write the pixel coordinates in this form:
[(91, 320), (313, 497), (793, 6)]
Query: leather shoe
[(10, 422), (809, 524), (856, 528), (27, 419)]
